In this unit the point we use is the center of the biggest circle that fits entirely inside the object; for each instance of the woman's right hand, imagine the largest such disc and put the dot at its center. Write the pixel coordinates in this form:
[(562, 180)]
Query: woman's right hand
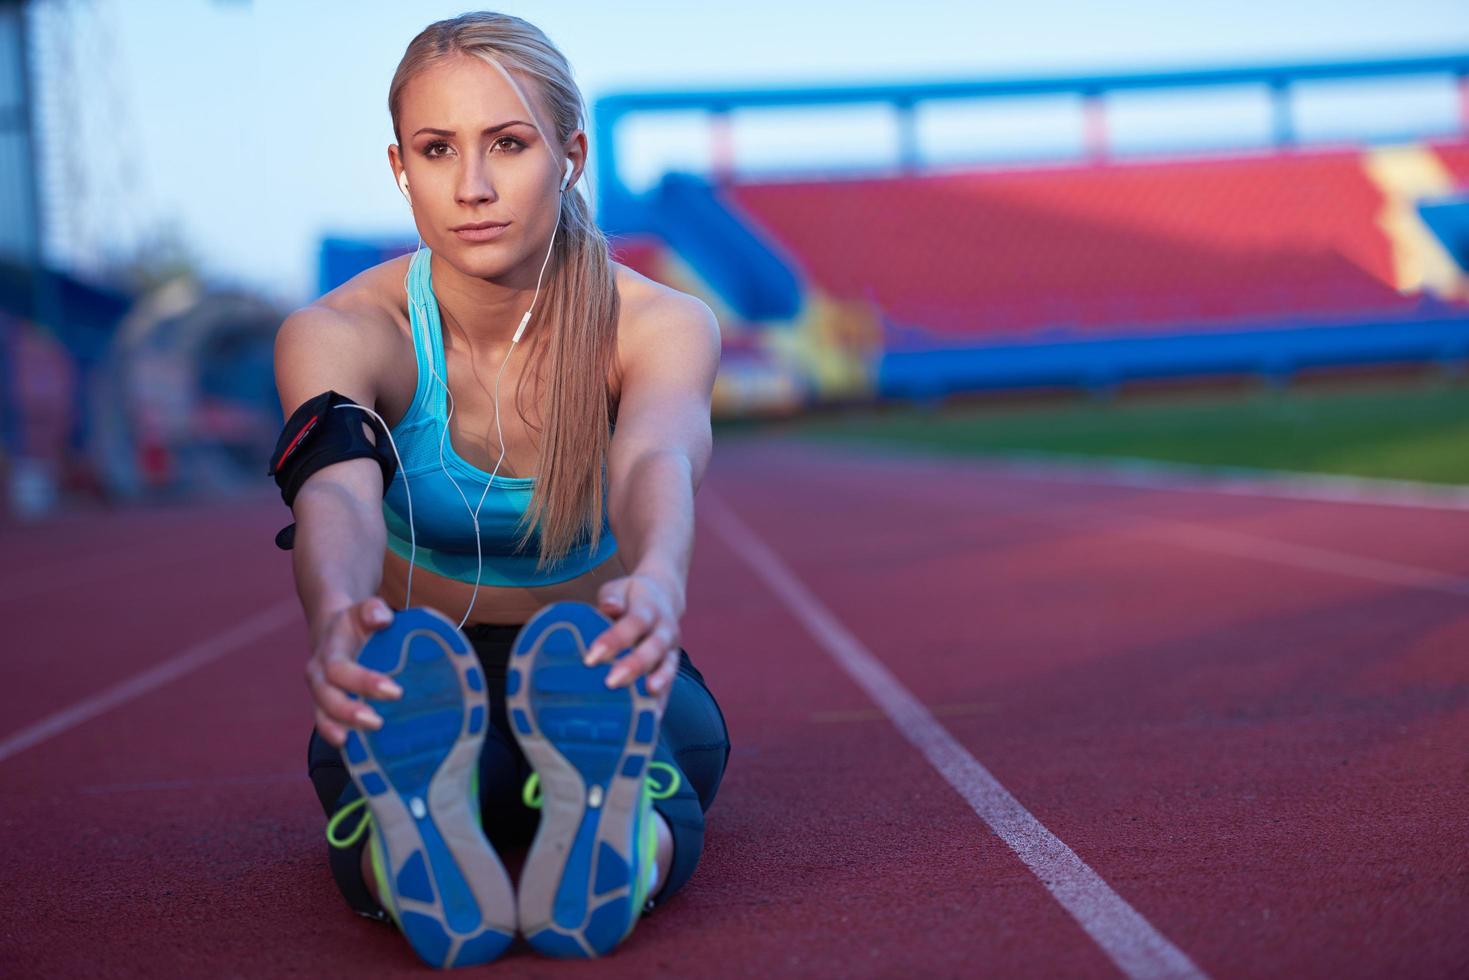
[(332, 671)]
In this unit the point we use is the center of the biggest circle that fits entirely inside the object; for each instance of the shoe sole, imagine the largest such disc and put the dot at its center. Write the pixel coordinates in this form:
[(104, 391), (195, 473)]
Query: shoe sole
[(454, 900), (590, 745)]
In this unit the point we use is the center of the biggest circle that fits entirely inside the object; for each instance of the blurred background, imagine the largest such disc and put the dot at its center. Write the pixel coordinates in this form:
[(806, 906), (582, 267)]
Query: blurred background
[(1221, 235)]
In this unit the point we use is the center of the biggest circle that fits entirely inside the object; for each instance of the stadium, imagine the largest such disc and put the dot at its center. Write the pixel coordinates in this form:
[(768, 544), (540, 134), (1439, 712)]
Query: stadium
[(1079, 563)]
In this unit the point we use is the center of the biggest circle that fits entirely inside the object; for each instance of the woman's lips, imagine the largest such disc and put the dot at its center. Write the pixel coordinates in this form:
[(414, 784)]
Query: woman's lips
[(480, 234)]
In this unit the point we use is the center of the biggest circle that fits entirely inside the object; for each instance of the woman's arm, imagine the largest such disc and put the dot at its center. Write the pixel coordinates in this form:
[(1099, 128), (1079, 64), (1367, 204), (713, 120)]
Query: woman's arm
[(340, 535), (652, 514), (340, 540), (659, 452)]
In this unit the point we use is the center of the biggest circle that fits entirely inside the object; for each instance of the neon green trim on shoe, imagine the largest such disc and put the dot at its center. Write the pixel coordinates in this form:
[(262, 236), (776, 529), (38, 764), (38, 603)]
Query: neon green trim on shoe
[(374, 849), (531, 795), (384, 892), (649, 842)]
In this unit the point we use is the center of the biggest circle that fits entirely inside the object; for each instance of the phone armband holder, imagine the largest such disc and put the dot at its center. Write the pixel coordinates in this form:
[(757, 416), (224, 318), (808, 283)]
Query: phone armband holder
[(318, 434)]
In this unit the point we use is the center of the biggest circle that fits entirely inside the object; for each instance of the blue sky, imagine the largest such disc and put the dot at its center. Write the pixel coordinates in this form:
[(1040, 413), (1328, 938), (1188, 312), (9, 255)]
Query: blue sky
[(255, 127)]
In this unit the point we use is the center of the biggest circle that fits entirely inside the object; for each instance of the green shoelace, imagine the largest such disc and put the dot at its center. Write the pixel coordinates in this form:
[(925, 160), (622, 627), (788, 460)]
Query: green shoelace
[(359, 805), (531, 795)]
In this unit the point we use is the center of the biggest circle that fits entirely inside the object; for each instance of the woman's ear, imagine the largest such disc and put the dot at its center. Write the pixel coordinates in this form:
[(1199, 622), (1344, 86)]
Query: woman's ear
[(576, 153), (400, 172)]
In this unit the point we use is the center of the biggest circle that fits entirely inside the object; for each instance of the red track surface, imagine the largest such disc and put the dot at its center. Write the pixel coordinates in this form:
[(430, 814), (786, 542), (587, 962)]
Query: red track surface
[(1266, 759)]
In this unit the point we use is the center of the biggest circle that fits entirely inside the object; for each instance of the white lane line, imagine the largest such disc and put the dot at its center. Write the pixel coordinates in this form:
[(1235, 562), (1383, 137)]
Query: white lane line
[(1239, 481), (1242, 545), (1203, 537), (1154, 474), (1128, 939), (240, 635)]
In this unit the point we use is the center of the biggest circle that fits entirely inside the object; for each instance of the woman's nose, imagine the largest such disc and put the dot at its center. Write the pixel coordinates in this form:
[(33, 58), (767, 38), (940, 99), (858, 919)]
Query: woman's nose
[(476, 184)]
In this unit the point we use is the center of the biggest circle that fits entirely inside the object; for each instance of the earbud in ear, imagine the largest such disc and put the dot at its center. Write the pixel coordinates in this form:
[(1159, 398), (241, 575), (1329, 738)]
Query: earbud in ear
[(403, 186), (566, 181)]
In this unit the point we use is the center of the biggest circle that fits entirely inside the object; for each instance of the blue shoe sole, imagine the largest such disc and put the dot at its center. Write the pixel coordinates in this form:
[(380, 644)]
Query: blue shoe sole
[(451, 895), (590, 745)]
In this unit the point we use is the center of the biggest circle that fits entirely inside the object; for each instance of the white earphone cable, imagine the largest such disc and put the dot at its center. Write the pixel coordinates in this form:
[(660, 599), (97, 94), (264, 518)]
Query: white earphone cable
[(449, 414), (412, 537)]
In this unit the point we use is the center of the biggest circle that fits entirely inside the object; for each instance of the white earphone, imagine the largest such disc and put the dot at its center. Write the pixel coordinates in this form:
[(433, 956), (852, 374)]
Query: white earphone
[(444, 433)]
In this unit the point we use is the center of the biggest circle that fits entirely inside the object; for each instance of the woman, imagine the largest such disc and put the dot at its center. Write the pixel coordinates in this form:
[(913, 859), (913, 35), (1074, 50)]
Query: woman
[(545, 505)]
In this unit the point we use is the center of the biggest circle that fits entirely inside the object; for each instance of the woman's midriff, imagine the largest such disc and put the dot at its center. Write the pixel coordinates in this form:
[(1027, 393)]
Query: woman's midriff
[(495, 603)]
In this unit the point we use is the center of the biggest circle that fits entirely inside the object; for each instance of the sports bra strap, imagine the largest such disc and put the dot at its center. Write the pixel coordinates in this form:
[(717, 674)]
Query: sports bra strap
[(427, 330)]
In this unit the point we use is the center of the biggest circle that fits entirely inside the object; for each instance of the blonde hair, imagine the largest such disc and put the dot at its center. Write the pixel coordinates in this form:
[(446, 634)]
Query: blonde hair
[(575, 338)]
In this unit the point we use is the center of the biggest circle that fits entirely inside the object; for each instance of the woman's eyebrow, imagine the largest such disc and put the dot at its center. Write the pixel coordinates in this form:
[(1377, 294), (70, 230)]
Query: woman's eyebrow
[(491, 129)]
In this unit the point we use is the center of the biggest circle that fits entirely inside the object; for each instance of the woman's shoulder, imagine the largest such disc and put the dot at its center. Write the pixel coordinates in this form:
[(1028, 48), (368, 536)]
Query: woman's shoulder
[(364, 310), (650, 309), (355, 325), (638, 294), (655, 316), (374, 299)]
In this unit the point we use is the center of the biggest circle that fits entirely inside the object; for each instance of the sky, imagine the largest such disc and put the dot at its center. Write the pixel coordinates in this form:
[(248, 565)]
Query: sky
[(252, 128)]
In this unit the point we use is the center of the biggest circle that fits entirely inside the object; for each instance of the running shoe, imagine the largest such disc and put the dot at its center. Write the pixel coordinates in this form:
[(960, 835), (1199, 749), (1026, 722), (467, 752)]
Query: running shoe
[(437, 874), (587, 874)]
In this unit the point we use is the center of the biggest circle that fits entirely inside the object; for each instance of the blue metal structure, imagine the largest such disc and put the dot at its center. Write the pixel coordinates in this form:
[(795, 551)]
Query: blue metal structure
[(1100, 363), (738, 263), (20, 232), (341, 258), (620, 211), (1448, 218), (760, 284), (687, 212)]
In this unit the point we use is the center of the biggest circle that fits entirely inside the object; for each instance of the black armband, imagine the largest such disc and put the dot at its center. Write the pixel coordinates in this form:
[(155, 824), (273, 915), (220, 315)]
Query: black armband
[(319, 434)]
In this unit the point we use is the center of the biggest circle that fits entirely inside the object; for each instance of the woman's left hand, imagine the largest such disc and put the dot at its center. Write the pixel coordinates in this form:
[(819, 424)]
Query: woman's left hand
[(645, 610)]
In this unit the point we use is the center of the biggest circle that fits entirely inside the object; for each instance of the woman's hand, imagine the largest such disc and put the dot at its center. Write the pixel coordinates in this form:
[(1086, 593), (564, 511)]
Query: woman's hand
[(646, 609), (332, 671)]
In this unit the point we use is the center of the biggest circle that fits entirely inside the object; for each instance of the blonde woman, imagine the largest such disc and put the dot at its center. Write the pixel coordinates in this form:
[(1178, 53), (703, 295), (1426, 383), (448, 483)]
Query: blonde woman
[(503, 432)]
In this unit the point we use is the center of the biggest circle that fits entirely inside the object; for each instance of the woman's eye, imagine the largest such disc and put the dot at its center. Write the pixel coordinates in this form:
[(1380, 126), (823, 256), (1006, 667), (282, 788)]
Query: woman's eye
[(514, 143), (434, 149)]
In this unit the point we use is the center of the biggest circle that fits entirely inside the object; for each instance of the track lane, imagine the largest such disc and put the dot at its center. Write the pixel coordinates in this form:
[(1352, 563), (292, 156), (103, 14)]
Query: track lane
[(1241, 747), (1266, 762), (173, 833)]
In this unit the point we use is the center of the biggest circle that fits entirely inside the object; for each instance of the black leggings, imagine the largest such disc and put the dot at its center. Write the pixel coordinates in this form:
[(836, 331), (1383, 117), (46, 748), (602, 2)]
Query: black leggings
[(693, 738)]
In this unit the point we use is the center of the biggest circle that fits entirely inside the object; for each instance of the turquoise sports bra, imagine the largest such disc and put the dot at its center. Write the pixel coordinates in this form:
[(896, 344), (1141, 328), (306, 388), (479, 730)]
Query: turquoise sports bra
[(445, 532)]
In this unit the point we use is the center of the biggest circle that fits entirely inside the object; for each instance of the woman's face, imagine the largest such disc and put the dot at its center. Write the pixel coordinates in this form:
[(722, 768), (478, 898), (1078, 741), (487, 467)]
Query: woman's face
[(472, 156)]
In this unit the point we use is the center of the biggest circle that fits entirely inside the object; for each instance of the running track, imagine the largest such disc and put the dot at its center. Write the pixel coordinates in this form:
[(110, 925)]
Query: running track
[(1117, 731)]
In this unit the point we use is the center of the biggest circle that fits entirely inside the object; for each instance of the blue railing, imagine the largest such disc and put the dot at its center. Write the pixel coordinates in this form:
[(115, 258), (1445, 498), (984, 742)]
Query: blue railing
[(622, 211), (1099, 364)]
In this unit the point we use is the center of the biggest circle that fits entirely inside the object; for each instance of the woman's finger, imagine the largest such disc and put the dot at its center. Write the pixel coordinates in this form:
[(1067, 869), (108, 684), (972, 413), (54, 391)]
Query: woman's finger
[(612, 597), (628, 630), (344, 710), (334, 701), (644, 657), (371, 615), (662, 678), (330, 730), (352, 676)]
